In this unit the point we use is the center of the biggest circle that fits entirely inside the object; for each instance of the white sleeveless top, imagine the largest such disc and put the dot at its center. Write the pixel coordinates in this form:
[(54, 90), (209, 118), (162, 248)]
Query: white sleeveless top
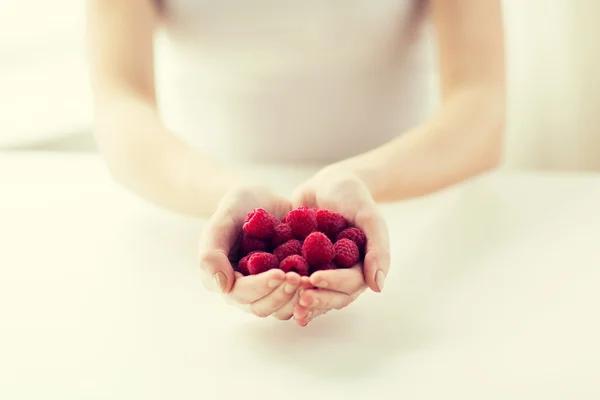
[(293, 80)]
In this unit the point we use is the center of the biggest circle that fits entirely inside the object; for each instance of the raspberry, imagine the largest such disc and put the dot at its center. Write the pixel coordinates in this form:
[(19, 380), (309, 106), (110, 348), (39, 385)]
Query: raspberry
[(302, 221), (330, 223), (260, 224), (318, 249), (243, 265), (250, 244), (346, 253), (295, 263), (324, 267), (283, 233), (356, 235), (260, 262), (288, 249)]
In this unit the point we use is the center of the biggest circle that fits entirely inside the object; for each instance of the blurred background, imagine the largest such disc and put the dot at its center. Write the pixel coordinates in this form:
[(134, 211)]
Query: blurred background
[(553, 59)]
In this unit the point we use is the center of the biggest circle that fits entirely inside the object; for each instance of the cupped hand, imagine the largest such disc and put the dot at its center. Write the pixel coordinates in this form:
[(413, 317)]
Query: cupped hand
[(270, 293), (345, 193)]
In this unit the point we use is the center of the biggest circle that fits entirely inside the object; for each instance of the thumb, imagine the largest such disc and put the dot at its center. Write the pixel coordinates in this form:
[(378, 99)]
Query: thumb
[(215, 243), (217, 272), (377, 257)]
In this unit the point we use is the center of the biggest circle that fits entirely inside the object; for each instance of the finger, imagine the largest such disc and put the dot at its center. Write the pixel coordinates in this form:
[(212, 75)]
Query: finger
[(310, 316), (297, 310), (304, 195), (216, 240), (377, 257), (300, 312), (346, 281), (220, 233), (217, 272), (248, 289), (315, 299), (287, 311), (305, 284), (280, 208), (313, 314), (278, 299)]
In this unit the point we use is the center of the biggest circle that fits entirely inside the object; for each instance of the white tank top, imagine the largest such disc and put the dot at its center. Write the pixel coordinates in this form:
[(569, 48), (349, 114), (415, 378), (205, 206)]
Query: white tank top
[(293, 80)]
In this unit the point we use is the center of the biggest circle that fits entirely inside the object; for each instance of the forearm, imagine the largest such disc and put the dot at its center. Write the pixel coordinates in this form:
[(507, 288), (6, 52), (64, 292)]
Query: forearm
[(146, 158), (461, 140)]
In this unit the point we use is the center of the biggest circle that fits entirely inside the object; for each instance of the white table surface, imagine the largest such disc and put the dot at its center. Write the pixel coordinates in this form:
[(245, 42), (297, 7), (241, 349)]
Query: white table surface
[(493, 294)]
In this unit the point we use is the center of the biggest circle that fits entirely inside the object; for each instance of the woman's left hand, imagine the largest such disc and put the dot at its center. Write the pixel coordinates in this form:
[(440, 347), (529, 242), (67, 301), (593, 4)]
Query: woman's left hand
[(345, 193)]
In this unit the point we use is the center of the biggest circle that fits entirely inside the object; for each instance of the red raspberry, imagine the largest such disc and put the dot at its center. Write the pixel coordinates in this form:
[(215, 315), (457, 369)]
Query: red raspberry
[(330, 223), (295, 263), (324, 267), (243, 265), (346, 253), (318, 249), (250, 244), (303, 222), (288, 249), (260, 262), (260, 224), (283, 233), (356, 235)]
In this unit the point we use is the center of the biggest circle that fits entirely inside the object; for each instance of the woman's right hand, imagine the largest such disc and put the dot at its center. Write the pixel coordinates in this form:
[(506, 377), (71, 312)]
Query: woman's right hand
[(271, 293)]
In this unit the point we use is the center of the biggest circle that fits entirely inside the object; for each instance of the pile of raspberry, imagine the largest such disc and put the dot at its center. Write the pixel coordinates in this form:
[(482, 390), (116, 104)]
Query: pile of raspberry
[(304, 241)]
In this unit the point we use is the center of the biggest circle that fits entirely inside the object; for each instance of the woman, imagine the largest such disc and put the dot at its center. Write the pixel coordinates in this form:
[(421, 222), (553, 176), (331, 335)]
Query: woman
[(343, 83)]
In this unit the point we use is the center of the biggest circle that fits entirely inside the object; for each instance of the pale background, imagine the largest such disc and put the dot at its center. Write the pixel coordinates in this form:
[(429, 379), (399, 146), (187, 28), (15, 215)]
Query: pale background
[(552, 59), (493, 293)]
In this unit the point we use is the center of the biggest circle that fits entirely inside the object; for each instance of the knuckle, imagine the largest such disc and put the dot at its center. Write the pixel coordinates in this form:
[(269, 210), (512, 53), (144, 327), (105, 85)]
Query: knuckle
[(283, 317), (207, 259), (259, 313), (274, 303), (203, 258), (385, 258)]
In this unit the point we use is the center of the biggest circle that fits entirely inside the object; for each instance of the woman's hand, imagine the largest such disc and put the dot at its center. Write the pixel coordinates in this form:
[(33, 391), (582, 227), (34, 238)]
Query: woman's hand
[(270, 293), (343, 192)]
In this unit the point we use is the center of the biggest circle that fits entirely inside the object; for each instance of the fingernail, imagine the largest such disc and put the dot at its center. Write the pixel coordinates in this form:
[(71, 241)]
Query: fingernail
[(322, 284), (273, 283), (309, 315), (380, 279), (220, 280), (289, 288)]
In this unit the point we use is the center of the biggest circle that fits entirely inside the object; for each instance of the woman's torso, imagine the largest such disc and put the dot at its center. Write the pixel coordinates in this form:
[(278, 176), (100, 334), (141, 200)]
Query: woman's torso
[(293, 80)]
